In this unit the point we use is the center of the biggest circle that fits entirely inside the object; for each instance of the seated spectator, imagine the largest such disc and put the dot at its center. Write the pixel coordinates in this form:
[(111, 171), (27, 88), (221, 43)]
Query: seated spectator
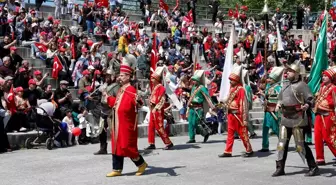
[(47, 93), (40, 79), (70, 125), (5, 46), (22, 78), (32, 94), (16, 59), (63, 98), (5, 68), (18, 120)]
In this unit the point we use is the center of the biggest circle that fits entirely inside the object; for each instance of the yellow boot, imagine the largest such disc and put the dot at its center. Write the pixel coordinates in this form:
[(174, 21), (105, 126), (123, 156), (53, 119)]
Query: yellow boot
[(114, 174), (141, 169)]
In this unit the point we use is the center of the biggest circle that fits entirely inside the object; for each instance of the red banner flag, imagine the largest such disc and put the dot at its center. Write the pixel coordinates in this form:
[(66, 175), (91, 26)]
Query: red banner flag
[(73, 48), (11, 101), (177, 5), (101, 3), (190, 16), (43, 48), (163, 5), (57, 67)]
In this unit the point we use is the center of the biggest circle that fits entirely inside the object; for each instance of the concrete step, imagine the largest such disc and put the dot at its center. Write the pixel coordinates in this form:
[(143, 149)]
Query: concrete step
[(24, 52), (256, 114), (37, 63)]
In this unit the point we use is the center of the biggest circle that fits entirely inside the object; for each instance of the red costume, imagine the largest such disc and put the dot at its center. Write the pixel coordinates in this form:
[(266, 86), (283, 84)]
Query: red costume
[(237, 115), (157, 101), (124, 134), (324, 127)]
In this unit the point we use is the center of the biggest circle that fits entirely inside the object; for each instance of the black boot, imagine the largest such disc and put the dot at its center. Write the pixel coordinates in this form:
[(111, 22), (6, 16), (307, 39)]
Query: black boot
[(206, 137), (313, 169), (102, 150), (151, 147), (280, 168)]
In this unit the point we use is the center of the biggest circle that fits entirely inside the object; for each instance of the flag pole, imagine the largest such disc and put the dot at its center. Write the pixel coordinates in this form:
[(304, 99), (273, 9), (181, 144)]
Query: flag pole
[(265, 12)]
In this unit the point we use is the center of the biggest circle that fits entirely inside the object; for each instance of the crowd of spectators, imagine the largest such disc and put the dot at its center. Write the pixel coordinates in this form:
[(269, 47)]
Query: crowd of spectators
[(100, 36)]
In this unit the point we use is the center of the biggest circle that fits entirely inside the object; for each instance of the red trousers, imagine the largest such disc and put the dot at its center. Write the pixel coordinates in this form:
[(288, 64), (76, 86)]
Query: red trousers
[(156, 123), (324, 130), (235, 125)]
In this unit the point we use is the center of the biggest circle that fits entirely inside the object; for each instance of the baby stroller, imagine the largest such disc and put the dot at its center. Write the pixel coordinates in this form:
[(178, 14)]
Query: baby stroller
[(47, 128)]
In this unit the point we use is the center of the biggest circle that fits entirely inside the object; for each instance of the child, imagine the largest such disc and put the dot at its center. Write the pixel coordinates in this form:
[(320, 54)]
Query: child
[(68, 119), (84, 125)]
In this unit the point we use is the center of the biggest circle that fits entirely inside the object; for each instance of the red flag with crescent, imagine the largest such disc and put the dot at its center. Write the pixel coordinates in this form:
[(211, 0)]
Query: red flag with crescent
[(57, 67)]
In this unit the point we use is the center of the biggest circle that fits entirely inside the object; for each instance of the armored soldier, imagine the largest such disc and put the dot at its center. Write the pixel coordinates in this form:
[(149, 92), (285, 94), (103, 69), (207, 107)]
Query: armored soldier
[(271, 117), (294, 99), (324, 127), (109, 88)]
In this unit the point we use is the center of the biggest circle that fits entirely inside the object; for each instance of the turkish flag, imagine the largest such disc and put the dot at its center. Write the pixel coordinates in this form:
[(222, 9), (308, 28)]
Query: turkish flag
[(190, 16), (43, 48), (101, 3), (57, 67), (73, 48), (11, 101), (163, 5)]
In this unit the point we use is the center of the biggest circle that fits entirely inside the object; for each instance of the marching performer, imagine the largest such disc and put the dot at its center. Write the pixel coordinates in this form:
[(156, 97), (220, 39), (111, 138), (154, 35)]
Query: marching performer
[(324, 127), (157, 101), (237, 114), (109, 88), (271, 117), (294, 99), (198, 105), (124, 135)]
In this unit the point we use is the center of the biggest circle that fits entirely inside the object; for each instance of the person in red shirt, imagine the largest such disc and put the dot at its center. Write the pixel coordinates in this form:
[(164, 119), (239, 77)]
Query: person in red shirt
[(324, 127)]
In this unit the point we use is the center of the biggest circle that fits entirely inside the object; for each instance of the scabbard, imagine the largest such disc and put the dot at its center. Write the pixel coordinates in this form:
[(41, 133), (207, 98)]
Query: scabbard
[(274, 116), (241, 123)]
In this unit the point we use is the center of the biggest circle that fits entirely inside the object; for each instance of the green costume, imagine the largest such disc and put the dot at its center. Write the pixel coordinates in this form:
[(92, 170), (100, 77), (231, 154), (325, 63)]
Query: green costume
[(197, 104), (271, 117)]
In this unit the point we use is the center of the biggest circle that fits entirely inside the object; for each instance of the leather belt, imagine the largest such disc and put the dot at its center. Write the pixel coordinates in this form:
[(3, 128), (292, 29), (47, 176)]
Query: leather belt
[(194, 105), (233, 111)]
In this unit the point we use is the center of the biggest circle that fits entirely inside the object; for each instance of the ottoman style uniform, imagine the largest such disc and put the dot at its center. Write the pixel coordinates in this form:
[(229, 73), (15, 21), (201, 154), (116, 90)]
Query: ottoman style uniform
[(324, 127), (237, 114), (157, 101), (124, 135), (271, 117), (294, 96)]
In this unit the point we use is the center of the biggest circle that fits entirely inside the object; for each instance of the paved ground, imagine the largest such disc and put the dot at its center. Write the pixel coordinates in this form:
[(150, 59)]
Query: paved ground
[(195, 164)]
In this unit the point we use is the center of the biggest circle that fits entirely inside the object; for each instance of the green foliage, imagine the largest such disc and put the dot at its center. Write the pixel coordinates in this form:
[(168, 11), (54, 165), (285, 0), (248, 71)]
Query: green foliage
[(284, 5)]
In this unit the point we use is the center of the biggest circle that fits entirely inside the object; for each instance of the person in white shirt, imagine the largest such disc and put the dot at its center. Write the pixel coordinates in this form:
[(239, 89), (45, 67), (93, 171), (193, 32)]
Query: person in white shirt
[(218, 27), (68, 120)]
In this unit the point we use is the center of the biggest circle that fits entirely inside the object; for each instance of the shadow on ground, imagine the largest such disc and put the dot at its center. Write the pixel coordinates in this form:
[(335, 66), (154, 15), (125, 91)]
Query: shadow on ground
[(169, 171), (323, 171)]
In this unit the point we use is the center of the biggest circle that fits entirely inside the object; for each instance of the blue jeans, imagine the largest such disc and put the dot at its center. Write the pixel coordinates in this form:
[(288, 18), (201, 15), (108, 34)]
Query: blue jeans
[(90, 26)]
